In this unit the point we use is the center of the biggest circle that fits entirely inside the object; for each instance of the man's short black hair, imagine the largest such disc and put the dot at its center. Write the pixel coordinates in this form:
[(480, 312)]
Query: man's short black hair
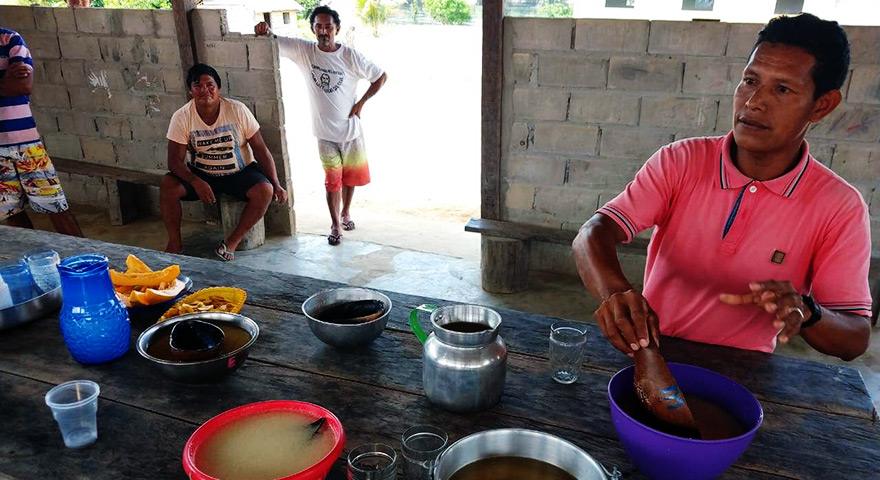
[(324, 10), (825, 40), (196, 71)]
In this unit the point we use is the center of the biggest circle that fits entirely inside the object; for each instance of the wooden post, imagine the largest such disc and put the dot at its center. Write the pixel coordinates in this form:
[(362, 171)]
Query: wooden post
[(490, 202), (183, 27), (504, 266)]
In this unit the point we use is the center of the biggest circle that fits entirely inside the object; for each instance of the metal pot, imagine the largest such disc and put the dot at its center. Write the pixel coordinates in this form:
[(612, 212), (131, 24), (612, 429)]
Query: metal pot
[(462, 371), (515, 442)]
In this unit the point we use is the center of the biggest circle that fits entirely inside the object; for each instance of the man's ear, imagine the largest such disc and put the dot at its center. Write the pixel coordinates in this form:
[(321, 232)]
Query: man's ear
[(825, 105)]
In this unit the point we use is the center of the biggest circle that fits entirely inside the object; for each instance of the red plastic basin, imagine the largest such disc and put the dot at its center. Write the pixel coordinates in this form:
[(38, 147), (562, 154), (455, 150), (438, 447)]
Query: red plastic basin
[(210, 428)]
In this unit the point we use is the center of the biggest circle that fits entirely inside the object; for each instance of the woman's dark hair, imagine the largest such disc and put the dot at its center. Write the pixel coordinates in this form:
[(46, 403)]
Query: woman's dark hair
[(825, 40), (196, 71), (324, 10)]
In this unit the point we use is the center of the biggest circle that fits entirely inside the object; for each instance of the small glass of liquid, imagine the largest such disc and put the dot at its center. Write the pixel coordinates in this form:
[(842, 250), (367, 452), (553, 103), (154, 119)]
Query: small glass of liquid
[(372, 461), (421, 446)]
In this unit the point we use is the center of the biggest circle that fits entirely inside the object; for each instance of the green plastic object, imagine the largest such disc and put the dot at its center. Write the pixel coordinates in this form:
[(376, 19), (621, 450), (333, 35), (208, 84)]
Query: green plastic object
[(414, 321)]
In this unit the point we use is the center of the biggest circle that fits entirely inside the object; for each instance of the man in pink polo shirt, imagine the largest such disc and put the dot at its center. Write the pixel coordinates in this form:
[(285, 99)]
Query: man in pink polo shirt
[(754, 239)]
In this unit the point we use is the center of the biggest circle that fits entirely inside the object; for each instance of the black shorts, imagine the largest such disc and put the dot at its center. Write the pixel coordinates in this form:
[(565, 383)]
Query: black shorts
[(236, 184)]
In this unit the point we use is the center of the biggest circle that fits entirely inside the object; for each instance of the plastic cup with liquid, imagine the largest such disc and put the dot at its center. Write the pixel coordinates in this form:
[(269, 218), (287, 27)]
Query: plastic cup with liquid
[(74, 405), (43, 265)]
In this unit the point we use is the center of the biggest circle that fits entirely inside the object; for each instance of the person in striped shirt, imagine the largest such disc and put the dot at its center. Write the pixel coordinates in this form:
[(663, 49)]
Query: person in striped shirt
[(26, 173)]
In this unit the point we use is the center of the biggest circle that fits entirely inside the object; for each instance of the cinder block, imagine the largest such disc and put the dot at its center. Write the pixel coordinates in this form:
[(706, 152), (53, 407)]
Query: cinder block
[(540, 103), (261, 55), (523, 66), (856, 162), (572, 71), (566, 202), (724, 121), (127, 103), (254, 84), (164, 51), (604, 107), (18, 18), (667, 111), (273, 138), (98, 150), (73, 74), (88, 100), (519, 196), (269, 111), (566, 138), (63, 145), (45, 118), (634, 143), (849, 122), (742, 39), (224, 55), (64, 20), (864, 87), (81, 124), (209, 23), (864, 44), (175, 80), (693, 133), (44, 19), (711, 77), (522, 136), (47, 71), (79, 47), (536, 169), (136, 154), (163, 24), (46, 95), (530, 217), (43, 46), (646, 74), (138, 22), (875, 233), (822, 150), (148, 128), (602, 173), (874, 209), (541, 33), (612, 35), (97, 20), (144, 78), (164, 105), (688, 38), (104, 76), (115, 126)]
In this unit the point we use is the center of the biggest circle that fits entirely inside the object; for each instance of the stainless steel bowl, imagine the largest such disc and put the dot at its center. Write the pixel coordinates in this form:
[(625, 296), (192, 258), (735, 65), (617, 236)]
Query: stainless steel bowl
[(32, 309), (203, 371), (345, 335), (515, 442)]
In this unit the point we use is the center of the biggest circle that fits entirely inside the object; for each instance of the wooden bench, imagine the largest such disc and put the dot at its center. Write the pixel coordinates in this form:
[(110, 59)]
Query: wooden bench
[(125, 197)]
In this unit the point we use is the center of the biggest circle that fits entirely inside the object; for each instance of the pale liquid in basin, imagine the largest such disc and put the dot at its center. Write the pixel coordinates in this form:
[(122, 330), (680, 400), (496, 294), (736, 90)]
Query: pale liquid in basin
[(264, 447)]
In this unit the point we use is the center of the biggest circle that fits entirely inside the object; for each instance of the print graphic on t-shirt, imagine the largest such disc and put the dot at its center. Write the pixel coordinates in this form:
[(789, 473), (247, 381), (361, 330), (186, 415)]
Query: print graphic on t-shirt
[(216, 150), (327, 80)]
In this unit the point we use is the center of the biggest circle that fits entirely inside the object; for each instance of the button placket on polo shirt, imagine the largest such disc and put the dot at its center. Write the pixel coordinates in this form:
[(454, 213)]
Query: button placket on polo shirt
[(740, 225)]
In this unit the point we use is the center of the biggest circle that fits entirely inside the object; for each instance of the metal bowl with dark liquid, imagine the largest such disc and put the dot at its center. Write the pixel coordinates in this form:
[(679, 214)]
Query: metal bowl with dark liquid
[(193, 340), (347, 317)]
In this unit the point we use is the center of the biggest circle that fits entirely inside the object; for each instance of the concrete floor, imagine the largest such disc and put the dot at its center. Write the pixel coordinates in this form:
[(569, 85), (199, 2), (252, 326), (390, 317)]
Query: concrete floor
[(365, 259)]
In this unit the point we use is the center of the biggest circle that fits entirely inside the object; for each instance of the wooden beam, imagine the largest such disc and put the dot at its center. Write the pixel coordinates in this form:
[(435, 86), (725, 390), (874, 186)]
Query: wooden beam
[(183, 27), (490, 185)]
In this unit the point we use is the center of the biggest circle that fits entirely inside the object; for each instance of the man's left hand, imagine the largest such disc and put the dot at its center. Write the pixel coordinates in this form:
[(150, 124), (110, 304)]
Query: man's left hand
[(356, 110), (280, 194), (20, 70), (775, 297)]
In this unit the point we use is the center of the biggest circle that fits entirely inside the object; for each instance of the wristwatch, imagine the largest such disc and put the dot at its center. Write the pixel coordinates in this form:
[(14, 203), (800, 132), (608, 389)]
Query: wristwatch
[(815, 311)]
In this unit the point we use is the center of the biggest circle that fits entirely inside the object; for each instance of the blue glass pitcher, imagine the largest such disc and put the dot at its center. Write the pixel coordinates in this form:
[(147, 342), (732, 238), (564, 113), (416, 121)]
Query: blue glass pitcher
[(94, 322)]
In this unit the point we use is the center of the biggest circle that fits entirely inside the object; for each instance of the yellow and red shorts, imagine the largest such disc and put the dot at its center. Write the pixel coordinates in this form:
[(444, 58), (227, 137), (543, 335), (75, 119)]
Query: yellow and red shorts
[(27, 176), (345, 163)]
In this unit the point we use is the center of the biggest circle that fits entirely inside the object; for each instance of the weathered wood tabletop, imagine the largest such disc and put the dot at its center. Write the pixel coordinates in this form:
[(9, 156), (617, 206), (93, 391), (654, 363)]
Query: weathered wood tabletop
[(819, 420)]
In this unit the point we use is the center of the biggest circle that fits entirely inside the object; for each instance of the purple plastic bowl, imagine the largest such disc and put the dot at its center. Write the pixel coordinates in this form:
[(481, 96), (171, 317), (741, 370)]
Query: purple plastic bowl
[(661, 456)]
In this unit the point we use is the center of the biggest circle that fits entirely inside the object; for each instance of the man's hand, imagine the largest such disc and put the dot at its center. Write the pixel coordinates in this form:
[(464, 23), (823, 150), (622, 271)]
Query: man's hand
[(204, 191), (262, 29), (356, 109), (280, 194), (20, 70), (627, 321), (779, 298)]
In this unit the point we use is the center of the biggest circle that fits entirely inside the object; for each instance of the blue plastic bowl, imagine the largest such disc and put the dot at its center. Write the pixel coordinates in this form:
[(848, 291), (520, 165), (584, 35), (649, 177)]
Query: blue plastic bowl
[(661, 456)]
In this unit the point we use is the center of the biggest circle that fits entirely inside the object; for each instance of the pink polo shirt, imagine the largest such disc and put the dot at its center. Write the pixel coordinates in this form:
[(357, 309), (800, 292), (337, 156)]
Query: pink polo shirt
[(808, 226)]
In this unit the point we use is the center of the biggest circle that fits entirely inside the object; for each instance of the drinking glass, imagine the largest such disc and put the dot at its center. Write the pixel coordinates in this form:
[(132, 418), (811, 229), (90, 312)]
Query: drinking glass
[(372, 461), (422, 444), (567, 342), (17, 277), (43, 265)]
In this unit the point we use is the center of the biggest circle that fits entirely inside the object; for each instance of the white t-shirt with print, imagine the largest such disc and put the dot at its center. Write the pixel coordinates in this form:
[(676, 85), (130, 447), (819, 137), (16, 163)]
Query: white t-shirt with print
[(218, 149), (332, 79)]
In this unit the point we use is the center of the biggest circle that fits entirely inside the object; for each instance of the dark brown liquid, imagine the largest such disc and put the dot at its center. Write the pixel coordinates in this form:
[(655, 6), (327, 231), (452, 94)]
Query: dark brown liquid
[(715, 421), (511, 468), (351, 312), (466, 327), (234, 338)]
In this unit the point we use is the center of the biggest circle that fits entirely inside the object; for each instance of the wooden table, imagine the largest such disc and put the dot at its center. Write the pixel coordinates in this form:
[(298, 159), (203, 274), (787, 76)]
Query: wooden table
[(819, 420)]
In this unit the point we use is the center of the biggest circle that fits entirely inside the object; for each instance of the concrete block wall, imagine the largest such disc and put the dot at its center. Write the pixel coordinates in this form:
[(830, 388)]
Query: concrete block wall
[(108, 80), (586, 102)]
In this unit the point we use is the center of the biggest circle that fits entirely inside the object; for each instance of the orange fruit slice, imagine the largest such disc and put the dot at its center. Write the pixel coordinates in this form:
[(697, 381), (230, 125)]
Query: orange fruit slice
[(154, 296), (147, 279), (136, 265)]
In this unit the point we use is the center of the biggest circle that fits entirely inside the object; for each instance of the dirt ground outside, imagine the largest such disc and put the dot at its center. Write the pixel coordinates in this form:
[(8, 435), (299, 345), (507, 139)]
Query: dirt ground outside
[(422, 133)]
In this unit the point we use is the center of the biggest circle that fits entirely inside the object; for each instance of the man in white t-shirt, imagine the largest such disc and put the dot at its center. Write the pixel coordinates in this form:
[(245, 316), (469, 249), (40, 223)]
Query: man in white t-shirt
[(332, 72), (223, 139)]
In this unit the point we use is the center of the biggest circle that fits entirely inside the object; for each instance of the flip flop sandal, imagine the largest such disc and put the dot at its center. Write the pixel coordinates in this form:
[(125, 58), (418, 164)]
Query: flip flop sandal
[(349, 225), (334, 239), (224, 252)]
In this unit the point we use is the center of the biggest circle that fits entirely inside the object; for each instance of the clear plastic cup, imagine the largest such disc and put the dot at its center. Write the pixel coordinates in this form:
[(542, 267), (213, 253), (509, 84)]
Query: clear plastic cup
[(43, 265), (372, 461), (18, 278), (422, 444), (74, 405)]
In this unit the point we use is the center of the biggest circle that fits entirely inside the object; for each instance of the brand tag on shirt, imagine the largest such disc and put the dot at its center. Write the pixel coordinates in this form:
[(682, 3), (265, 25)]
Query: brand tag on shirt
[(778, 257)]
